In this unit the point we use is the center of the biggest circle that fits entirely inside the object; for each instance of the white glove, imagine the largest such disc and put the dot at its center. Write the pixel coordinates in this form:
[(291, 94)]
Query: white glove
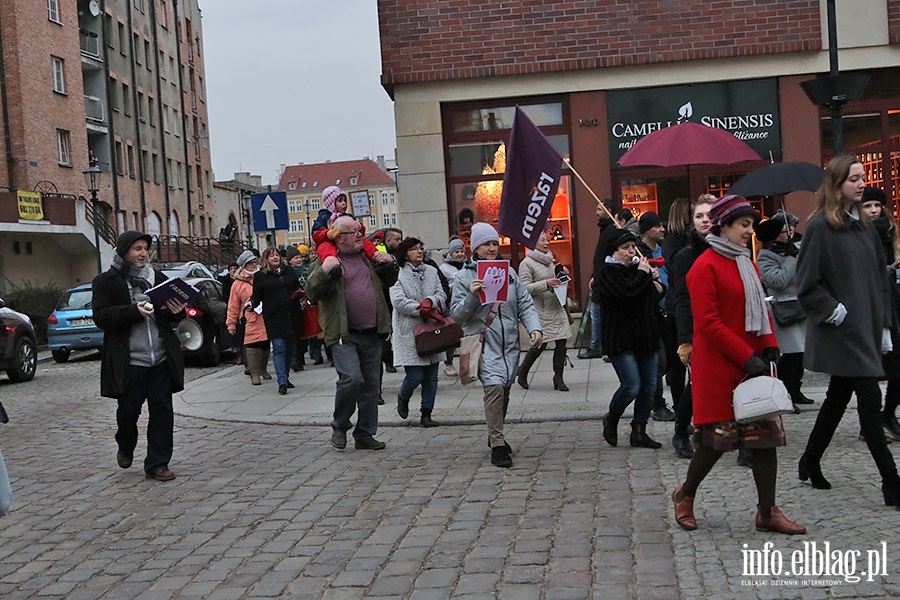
[(838, 316)]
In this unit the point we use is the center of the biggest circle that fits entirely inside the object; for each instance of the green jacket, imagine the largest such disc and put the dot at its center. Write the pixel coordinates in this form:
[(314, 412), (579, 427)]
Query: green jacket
[(328, 294)]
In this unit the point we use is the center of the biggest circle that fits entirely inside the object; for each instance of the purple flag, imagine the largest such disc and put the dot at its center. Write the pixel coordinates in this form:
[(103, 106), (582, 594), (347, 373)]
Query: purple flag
[(533, 168)]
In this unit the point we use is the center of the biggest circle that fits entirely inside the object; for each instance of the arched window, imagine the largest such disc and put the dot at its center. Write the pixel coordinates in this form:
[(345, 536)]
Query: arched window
[(154, 224), (173, 223)]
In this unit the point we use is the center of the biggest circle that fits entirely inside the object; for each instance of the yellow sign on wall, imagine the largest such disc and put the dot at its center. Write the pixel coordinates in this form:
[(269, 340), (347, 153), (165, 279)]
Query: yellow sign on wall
[(30, 206)]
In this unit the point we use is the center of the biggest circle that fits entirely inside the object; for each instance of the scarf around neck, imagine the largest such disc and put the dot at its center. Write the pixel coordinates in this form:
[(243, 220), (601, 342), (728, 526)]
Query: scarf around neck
[(140, 279), (756, 317), (545, 258)]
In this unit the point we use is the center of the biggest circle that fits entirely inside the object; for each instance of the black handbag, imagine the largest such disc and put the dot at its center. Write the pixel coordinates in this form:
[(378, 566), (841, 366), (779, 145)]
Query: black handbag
[(787, 312), (437, 336)]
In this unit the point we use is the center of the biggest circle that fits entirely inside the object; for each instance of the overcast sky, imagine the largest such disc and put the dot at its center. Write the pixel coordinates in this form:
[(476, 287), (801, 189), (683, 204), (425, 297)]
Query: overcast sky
[(291, 81)]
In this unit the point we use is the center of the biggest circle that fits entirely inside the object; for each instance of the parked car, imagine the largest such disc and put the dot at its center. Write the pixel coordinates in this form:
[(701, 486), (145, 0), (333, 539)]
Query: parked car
[(18, 344), (71, 326), (203, 333), (188, 270)]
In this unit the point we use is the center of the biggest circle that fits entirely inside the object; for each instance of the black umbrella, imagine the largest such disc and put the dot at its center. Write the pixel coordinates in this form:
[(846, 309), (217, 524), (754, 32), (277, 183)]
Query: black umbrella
[(779, 178)]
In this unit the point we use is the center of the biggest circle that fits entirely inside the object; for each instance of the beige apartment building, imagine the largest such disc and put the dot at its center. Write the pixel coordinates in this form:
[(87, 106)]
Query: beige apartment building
[(370, 182), (113, 85)]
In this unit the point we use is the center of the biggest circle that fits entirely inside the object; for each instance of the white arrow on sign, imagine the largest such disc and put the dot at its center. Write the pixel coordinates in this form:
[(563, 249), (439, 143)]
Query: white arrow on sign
[(269, 207)]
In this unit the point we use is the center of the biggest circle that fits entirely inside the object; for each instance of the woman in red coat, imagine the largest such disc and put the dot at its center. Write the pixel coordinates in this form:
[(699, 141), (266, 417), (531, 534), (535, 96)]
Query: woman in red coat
[(732, 339)]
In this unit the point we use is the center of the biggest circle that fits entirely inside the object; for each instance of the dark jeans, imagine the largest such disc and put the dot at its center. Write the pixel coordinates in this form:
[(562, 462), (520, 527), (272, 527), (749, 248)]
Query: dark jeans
[(282, 354), (153, 384), (427, 377), (637, 382), (357, 361), (868, 400)]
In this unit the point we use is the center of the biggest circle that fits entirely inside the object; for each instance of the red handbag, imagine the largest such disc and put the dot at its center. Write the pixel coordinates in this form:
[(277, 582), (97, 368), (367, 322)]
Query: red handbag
[(440, 335), (309, 320)]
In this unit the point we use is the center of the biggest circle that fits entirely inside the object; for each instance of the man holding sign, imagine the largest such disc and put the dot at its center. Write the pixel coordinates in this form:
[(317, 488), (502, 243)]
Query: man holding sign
[(489, 299)]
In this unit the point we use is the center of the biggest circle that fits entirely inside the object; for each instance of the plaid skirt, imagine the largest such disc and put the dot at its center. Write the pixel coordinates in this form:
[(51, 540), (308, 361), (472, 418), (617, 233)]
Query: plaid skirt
[(731, 435)]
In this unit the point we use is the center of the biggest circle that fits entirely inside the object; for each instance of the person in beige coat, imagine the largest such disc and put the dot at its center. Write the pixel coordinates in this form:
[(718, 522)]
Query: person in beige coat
[(256, 341), (538, 273)]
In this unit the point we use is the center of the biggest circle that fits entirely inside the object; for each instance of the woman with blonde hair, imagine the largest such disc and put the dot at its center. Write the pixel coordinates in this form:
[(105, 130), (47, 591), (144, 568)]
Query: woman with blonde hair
[(273, 287), (844, 289)]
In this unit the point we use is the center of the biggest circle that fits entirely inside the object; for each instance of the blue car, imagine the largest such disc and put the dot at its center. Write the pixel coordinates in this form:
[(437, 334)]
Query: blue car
[(71, 326)]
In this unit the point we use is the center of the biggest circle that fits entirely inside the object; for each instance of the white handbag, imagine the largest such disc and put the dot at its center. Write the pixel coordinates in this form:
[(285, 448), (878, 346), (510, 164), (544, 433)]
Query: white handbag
[(760, 397)]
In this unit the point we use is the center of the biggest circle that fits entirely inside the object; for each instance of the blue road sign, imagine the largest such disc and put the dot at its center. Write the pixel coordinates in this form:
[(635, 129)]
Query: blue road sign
[(269, 211)]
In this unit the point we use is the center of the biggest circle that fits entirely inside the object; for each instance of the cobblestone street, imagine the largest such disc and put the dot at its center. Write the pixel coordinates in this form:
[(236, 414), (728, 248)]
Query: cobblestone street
[(274, 511)]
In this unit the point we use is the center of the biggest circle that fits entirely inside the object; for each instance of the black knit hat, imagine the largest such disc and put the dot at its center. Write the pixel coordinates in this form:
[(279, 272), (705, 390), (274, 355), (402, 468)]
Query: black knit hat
[(126, 240), (648, 221), (622, 236), (874, 193)]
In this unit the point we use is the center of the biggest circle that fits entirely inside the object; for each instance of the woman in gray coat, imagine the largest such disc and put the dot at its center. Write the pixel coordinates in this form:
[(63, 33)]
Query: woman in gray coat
[(499, 322), (777, 263), (843, 287), (417, 292)]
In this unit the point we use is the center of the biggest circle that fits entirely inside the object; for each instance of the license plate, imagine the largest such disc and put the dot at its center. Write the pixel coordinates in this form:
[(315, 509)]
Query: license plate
[(82, 322)]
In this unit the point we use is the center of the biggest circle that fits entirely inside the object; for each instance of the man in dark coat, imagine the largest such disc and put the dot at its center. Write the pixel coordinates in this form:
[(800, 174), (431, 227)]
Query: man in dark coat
[(141, 357), (607, 230)]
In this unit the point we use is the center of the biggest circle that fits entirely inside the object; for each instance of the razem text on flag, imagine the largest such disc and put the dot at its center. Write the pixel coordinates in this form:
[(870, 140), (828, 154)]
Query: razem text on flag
[(533, 168)]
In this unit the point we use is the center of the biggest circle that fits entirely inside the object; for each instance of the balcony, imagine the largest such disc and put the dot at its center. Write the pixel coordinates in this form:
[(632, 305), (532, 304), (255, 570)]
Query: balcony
[(94, 109), (90, 44)]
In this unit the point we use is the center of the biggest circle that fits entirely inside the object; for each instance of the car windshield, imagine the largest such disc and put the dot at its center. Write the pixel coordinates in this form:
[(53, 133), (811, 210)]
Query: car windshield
[(75, 299)]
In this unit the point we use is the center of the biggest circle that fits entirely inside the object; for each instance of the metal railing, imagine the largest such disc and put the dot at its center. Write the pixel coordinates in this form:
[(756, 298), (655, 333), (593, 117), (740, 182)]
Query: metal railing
[(207, 250), (104, 229), (94, 108), (90, 43)]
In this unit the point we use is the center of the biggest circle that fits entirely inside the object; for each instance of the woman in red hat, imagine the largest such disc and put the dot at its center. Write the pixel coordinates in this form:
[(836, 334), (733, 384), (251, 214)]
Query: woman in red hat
[(732, 339)]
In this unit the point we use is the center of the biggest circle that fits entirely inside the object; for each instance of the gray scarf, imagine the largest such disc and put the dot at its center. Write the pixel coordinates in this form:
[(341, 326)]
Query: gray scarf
[(140, 279), (756, 317), (545, 258)]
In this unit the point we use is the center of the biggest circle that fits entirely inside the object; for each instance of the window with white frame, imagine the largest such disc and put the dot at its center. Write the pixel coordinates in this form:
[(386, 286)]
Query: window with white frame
[(303, 185), (384, 198), (371, 199), (53, 10), (353, 181), (58, 66), (393, 218), (391, 196), (387, 220), (373, 220), (295, 206), (314, 204), (292, 185), (297, 226), (63, 145)]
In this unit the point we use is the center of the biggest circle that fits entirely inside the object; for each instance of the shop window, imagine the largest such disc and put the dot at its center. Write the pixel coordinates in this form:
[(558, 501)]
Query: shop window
[(501, 117)]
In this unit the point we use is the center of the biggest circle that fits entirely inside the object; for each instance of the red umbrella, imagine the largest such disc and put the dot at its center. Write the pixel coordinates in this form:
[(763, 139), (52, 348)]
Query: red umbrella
[(688, 144)]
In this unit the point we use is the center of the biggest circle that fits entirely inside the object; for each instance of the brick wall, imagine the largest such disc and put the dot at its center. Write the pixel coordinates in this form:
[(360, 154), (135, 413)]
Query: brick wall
[(429, 40), (894, 21)]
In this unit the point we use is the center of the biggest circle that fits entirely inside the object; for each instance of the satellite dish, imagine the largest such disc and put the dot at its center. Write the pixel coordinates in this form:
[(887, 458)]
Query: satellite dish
[(94, 8)]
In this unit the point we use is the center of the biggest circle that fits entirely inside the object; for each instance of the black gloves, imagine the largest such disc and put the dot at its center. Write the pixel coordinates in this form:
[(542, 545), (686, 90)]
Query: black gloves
[(791, 249), (771, 355), (756, 366)]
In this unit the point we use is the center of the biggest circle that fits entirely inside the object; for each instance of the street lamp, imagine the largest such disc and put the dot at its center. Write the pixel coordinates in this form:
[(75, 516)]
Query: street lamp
[(308, 230), (92, 181), (248, 219)]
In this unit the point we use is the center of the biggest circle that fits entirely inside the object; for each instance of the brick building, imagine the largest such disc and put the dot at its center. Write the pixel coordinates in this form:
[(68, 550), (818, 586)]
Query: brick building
[(117, 84), (367, 178), (596, 76)]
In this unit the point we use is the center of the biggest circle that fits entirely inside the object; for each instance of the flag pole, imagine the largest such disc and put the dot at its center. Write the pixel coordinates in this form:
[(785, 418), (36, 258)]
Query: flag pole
[(597, 198)]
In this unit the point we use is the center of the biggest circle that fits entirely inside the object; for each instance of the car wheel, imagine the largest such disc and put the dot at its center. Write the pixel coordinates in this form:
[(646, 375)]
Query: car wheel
[(24, 361), (212, 355), (61, 355)]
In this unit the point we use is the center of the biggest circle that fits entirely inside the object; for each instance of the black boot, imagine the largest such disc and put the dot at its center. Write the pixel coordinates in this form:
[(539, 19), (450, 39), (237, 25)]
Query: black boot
[(402, 407), (559, 363), (682, 445), (745, 458), (809, 469), (890, 489), (609, 429), (426, 421), (640, 439), (530, 357), (891, 425)]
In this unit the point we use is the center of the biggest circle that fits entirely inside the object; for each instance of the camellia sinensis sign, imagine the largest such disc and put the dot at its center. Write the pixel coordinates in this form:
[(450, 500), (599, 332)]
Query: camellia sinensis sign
[(30, 205), (748, 109)]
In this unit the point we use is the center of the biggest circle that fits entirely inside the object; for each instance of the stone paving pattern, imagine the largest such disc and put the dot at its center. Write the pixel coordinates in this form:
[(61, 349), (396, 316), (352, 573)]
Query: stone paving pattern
[(272, 511)]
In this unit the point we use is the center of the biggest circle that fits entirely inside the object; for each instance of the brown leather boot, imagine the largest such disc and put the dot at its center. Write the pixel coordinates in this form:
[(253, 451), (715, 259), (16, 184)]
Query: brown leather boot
[(254, 361), (264, 364), (684, 511), (777, 522)]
